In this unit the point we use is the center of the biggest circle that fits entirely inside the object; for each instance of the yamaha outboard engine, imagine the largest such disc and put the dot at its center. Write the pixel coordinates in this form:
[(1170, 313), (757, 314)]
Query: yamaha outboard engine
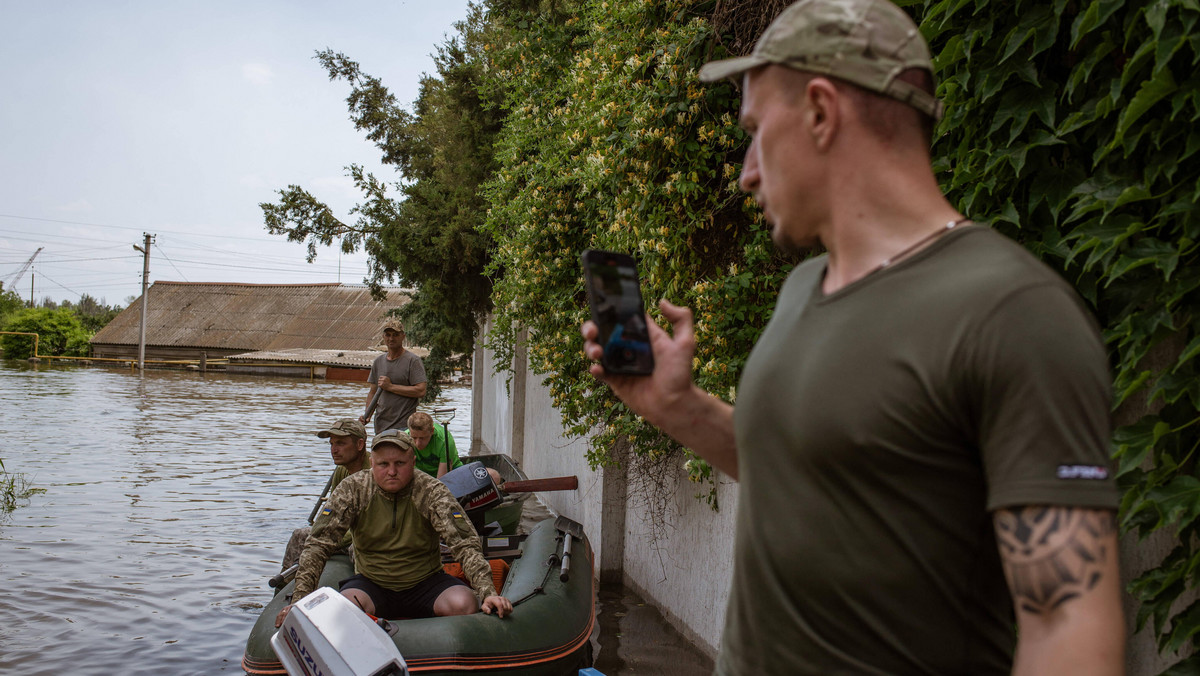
[(472, 486)]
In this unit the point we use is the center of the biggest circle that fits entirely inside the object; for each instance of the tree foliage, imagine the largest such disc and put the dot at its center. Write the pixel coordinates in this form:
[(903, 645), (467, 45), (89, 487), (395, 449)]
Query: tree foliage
[(10, 302), (1073, 125), (612, 143), (60, 333), (422, 230)]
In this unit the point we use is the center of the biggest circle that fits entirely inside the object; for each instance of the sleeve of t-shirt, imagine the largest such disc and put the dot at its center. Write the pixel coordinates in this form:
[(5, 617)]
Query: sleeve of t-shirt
[(373, 377), (1039, 376), (416, 371)]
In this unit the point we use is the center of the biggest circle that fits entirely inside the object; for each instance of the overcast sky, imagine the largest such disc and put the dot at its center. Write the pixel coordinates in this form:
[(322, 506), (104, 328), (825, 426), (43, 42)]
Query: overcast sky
[(176, 118)]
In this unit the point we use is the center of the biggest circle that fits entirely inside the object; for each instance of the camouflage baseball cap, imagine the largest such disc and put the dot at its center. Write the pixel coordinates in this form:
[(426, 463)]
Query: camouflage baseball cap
[(344, 427), (394, 437), (392, 323), (864, 42)]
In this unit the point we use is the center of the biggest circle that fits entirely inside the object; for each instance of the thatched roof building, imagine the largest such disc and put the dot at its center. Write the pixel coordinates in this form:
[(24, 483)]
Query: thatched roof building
[(187, 319)]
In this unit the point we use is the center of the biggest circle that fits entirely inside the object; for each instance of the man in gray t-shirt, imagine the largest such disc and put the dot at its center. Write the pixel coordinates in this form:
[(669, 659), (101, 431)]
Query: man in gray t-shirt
[(401, 376)]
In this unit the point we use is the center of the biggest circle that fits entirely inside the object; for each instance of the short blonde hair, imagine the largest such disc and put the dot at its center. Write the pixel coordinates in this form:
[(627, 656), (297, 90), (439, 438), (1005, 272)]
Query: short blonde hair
[(420, 421)]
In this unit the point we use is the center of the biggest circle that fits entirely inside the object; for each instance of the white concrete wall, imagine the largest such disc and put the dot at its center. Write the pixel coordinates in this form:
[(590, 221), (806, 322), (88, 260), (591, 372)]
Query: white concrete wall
[(681, 562), (491, 407)]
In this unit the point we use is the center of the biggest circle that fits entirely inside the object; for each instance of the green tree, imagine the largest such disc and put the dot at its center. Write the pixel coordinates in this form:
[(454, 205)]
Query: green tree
[(423, 230), (93, 314), (1072, 126), (10, 302), (611, 143), (59, 333)]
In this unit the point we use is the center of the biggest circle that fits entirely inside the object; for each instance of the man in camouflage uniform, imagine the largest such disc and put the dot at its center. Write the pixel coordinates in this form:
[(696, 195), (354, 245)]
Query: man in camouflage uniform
[(396, 516), (348, 448)]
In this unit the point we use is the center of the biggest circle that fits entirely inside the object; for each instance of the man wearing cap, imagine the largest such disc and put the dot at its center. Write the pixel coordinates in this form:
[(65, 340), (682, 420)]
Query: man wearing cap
[(396, 516), (921, 432), (401, 376), (348, 447)]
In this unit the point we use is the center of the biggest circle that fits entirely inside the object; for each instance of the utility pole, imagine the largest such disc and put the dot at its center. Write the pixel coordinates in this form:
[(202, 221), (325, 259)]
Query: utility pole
[(145, 249)]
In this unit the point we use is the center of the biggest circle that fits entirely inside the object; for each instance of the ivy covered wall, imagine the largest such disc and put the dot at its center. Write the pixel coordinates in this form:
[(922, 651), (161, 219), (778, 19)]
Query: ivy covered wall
[(1071, 126)]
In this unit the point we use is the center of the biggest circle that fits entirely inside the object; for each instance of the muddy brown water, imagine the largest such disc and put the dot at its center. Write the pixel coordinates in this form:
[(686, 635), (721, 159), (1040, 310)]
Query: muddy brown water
[(168, 499)]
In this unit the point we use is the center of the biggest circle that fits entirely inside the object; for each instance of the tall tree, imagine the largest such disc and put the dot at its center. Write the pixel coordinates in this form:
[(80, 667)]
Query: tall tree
[(424, 229)]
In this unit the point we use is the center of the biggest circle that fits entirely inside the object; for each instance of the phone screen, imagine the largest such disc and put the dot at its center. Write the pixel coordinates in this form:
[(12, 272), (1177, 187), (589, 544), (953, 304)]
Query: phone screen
[(615, 297)]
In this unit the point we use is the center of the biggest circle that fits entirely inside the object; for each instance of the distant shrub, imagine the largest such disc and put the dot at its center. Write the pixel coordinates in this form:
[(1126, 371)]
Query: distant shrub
[(60, 333)]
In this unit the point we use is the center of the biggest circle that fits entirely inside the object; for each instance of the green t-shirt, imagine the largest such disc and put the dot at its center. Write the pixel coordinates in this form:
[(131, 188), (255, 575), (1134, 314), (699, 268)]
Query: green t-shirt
[(877, 428), (436, 451)]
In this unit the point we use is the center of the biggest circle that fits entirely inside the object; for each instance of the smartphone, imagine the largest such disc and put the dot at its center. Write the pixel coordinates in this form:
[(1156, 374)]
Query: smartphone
[(615, 297)]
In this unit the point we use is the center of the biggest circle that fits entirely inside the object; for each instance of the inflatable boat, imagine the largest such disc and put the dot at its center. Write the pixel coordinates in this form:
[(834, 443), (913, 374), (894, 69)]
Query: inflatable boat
[(546, 574)]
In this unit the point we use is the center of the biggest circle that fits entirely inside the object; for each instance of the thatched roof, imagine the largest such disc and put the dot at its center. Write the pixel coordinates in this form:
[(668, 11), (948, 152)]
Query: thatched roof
[(254, 317)]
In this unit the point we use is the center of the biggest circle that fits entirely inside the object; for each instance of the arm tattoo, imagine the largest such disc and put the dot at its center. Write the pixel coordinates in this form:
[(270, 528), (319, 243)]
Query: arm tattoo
[(1052, 555)]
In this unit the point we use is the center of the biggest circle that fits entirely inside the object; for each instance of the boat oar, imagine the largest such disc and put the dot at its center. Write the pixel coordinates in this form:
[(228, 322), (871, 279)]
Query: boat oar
[(372, 404), (569, 529), (320, 499), (557, 483), (284, 577)]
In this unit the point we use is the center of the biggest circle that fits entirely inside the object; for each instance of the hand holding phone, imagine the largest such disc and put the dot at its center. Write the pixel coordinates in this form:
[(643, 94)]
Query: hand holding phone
[(615, 297)]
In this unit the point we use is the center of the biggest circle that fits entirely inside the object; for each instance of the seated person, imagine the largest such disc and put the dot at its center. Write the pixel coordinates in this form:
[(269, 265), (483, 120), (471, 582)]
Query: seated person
[(395, 515), (436, 452), (348, 446)]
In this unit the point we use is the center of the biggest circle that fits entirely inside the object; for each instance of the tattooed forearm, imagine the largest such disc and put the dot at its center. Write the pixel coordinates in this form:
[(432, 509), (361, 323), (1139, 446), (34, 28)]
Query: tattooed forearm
[(1052, 555)]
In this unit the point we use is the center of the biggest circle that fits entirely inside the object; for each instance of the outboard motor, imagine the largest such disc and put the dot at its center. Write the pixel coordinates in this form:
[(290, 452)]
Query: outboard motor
[(327, 635), (472, 486)]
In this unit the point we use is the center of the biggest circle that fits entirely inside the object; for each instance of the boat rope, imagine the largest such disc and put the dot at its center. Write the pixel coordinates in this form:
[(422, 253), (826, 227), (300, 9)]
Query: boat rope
[(541, 588)]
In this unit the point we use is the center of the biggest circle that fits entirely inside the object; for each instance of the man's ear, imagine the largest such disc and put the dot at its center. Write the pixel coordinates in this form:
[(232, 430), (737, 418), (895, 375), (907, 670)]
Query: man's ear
[(822, 117)]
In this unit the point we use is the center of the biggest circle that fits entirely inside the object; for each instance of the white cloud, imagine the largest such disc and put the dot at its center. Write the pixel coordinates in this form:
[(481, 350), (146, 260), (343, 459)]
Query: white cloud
[(257, 73)]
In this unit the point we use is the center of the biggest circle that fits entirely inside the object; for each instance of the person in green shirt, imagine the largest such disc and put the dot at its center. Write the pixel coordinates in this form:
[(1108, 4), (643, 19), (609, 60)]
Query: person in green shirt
[(348, 448), (436, 452)]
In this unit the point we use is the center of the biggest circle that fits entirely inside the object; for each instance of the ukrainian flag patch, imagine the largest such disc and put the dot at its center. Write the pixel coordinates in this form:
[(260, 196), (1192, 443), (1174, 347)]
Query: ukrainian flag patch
[(325, 512), (457, 514)]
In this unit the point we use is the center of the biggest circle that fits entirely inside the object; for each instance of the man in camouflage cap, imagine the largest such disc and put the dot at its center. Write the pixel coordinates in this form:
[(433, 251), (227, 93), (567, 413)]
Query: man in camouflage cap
[(396, 515), (401, 376), (921, 432), (348, 447)]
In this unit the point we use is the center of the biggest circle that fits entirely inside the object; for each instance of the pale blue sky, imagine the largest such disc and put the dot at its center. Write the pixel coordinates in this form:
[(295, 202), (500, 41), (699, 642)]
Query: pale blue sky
[(177, 118)]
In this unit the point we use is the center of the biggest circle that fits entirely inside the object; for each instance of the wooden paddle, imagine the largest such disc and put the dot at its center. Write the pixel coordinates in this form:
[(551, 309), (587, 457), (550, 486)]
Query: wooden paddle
[(557, 483), (366, 417)]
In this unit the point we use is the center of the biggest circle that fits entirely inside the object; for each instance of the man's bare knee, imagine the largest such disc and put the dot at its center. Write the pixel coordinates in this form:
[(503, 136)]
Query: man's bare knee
[(458, 600), (361, 599)]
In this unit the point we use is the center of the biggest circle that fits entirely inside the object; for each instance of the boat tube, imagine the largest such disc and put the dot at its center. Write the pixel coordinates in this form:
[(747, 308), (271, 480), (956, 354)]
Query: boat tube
[(547, 634)]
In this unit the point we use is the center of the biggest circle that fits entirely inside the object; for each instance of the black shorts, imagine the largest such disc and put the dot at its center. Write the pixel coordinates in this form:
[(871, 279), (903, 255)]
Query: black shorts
[(416, 601)]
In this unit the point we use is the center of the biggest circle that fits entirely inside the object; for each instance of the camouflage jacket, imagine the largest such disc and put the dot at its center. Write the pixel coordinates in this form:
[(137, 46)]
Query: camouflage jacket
[(426, 509)]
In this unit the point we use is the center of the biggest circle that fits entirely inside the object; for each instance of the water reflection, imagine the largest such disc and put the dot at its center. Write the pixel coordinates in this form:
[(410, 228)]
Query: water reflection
[(169, 497)]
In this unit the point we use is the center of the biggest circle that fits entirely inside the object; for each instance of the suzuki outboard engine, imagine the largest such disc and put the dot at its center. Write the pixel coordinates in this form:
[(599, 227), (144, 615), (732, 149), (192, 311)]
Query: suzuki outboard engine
[(325, 634)]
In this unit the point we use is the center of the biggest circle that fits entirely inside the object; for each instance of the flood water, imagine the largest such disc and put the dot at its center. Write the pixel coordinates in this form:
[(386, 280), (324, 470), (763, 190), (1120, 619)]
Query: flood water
[(168, 499)]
